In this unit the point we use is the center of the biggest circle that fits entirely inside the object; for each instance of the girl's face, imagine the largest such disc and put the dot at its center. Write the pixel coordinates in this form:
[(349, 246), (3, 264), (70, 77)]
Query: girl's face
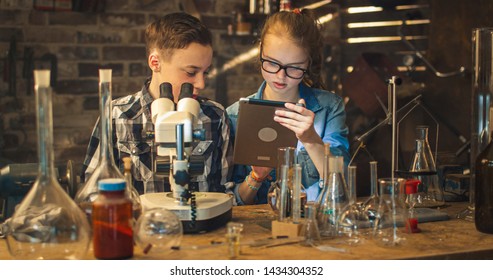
[(289, 60)]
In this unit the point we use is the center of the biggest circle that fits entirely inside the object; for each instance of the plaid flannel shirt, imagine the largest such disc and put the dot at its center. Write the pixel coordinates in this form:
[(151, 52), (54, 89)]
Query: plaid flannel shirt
[(131, 124)]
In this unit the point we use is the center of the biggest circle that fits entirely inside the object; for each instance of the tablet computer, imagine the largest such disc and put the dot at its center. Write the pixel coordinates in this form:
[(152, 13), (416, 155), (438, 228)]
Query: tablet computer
[(258, 136)]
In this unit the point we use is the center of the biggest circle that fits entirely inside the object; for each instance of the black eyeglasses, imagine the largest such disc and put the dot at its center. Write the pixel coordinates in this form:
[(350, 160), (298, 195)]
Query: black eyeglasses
[(273, 67)]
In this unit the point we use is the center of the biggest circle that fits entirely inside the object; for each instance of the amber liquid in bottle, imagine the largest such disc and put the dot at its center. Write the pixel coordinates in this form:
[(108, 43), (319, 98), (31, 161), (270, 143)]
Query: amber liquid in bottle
[(112, 227), (483, 197)]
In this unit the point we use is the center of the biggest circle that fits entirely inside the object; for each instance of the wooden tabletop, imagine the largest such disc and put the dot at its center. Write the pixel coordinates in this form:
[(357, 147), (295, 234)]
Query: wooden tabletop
[(452, 239)]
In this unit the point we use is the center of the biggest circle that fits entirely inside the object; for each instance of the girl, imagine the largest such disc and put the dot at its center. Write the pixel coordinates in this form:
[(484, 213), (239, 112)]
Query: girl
[(290, 53)]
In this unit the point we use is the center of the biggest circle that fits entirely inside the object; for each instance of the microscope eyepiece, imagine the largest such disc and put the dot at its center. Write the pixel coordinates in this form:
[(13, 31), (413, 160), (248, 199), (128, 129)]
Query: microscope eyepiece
[(186, 91), (166, 91)]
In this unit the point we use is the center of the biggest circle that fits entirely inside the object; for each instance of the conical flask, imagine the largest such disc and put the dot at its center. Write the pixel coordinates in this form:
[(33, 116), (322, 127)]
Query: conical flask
[(392, 213), (309, 230), (47, 223), (423, 168), (106, 165), (333, 199)]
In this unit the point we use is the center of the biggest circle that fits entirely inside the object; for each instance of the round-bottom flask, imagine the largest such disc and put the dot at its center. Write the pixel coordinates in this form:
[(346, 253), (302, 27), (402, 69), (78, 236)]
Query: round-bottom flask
[(47, 224)]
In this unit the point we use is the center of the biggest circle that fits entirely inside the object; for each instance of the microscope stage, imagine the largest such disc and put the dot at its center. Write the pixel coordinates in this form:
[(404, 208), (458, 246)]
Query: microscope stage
[(213, 210)]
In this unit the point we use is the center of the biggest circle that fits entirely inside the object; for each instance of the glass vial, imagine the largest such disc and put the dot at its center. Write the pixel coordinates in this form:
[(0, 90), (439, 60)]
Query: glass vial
[(333, 198), (430, 193), (233, 235), (106, 165), (47, 223), (112, 221)]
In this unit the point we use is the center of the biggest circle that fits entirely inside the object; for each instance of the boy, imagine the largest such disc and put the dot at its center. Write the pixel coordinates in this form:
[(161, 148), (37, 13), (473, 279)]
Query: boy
[(179, 50)]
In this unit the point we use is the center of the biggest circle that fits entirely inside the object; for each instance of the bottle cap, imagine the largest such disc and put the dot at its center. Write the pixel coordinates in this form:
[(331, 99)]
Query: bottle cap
[(112, 184), (412, 186)]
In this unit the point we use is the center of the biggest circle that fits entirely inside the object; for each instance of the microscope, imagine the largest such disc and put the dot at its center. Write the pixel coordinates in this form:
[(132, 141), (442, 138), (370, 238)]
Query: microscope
[(175, 133)]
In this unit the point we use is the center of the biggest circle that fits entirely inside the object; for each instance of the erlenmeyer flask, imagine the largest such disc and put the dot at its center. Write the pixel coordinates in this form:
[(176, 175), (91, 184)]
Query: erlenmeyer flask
[(392, 215), (106, 168), (333, 198), (309, 230), (423, 168), (47, 224)]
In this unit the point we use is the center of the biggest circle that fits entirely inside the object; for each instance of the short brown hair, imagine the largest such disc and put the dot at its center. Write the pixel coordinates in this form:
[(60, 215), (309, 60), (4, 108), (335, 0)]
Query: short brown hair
[(176, 31)]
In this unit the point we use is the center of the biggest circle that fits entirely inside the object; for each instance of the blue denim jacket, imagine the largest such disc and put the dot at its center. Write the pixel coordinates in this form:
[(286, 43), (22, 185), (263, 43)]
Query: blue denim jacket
[(330, 124)]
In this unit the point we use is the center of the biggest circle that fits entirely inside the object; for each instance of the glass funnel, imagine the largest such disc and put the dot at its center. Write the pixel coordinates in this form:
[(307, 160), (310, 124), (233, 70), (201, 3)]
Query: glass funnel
[(423, 168), (392, 214), (47, 223)]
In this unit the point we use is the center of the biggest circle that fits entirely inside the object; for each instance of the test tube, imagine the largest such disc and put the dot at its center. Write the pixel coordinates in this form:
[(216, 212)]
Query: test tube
[(296, 200), (352, 183), (284, 193)]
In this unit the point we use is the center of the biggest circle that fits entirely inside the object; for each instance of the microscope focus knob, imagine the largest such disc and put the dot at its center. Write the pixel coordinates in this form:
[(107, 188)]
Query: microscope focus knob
[(182, 177)]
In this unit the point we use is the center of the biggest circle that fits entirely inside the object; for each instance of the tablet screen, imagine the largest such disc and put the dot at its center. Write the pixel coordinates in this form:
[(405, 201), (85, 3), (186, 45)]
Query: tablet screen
[(258, 136)]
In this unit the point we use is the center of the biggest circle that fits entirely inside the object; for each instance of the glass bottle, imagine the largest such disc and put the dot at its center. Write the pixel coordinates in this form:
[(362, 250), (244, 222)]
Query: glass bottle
[(106, 167), (47, 223), (134, 195), (392, 215), (481, 100), (483, 199), (423, 168), (332, 199), (111, 221)]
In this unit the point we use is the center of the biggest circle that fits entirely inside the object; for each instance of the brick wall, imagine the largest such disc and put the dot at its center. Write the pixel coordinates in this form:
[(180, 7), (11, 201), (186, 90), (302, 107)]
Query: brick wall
[(83, 41)]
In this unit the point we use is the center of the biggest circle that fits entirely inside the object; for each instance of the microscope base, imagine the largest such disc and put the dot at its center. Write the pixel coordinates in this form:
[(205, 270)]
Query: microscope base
[(213, 209)]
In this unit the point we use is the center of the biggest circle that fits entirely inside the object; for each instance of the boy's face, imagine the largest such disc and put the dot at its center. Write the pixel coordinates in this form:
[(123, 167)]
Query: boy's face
[(188, 65)]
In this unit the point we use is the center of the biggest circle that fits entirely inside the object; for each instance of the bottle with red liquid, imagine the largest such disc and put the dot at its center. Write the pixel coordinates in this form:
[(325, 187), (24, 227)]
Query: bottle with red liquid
[(112, 221)]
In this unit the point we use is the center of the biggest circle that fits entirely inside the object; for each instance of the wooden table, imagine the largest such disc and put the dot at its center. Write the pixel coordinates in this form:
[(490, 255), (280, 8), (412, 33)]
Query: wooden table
[(452, 239)]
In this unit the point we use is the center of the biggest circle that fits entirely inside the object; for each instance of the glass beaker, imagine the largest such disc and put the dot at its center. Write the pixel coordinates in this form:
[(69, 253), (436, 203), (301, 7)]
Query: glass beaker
[(47, 224), (333, 198), (392, 215), (423, 168), (481, 100)]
